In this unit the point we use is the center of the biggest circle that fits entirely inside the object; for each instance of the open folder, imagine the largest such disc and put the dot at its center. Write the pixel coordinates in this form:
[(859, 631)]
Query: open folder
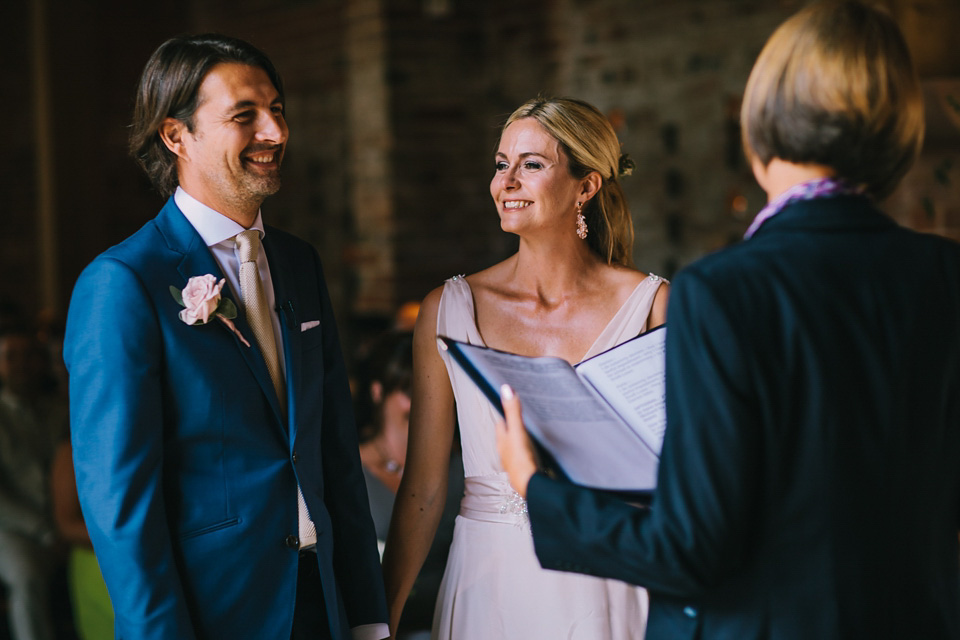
[(599, 423)]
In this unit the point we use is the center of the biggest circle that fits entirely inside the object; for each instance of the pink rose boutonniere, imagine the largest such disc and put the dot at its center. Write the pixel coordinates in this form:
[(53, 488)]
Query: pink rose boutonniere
[(202, 301)]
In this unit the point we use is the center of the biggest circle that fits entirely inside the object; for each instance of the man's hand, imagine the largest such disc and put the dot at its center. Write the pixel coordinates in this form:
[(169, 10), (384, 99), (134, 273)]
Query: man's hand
[(513, 443)]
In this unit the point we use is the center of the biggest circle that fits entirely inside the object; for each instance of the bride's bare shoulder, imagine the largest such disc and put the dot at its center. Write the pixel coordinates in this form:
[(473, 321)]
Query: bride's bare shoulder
[(490, 281), (622, 278)]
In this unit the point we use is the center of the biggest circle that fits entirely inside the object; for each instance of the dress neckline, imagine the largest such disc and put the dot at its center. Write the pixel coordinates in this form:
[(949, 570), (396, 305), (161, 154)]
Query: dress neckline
[(624, 308)]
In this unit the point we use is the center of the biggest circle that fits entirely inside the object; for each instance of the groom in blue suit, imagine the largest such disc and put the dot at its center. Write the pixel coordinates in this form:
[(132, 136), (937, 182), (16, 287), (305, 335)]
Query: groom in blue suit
[(213, 437)]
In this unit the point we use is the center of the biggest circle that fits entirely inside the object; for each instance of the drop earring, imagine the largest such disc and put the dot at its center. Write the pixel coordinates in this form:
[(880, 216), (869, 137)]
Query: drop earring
[(581, 223)]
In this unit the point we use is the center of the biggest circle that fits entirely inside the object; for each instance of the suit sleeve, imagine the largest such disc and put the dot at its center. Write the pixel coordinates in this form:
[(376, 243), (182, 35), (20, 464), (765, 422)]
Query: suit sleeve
[(356, 560), (699, 524), (112, 349)]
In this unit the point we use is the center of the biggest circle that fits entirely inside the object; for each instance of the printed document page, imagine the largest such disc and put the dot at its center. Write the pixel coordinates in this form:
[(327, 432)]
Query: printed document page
[(592, 445), (631, 379)]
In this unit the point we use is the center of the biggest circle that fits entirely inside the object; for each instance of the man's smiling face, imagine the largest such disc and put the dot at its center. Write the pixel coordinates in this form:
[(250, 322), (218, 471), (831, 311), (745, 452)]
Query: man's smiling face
[(230, 161)]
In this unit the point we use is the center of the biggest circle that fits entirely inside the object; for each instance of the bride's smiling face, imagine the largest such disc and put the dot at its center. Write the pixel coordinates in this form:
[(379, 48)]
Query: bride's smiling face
[(532, 186)]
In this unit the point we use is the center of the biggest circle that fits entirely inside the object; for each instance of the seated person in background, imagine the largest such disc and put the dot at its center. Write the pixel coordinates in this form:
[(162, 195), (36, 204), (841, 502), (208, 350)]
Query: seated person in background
[(32, 422), (383, 415), (92, 611)]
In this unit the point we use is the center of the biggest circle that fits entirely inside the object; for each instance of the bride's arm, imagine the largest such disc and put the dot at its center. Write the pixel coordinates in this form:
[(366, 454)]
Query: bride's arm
[(423, 489)]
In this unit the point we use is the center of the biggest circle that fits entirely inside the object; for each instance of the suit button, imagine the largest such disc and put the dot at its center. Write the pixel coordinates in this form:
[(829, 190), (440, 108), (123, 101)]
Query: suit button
[(295, 458), (690, 612), (292, 541)]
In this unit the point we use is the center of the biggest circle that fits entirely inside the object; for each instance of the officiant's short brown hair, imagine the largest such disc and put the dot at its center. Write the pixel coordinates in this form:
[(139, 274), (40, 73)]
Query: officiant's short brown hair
[(835, 86), (169, 88)]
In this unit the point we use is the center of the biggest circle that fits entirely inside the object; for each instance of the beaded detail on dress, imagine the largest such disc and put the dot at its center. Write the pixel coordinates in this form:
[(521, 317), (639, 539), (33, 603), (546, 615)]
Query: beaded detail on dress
[(517, 506)]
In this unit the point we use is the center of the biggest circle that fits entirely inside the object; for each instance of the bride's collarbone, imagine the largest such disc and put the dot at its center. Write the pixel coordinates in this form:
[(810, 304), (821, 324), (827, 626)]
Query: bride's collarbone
[(566, 341)]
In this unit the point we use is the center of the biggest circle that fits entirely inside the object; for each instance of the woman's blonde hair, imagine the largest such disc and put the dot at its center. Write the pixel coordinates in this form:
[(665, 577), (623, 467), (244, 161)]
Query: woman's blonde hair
[(590, 144), (835, 86)]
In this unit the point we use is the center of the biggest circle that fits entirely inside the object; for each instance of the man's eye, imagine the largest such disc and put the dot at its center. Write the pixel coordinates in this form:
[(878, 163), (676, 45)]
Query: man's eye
[(244, 116), (277, 110)]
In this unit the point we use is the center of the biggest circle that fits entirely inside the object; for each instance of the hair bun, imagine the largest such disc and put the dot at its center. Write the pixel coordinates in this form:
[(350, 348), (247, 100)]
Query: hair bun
[(626, 165)]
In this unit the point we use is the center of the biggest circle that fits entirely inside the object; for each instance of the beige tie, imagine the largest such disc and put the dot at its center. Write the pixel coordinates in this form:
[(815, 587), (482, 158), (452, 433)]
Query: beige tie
[(255, 306), (258, 316)]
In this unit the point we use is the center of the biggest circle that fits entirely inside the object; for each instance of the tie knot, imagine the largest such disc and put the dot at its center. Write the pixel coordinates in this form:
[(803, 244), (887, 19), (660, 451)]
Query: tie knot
[(248, 245)]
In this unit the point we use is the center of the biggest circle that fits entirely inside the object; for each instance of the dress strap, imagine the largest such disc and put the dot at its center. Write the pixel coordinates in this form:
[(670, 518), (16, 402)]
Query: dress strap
[(631, 319), (456, 315)]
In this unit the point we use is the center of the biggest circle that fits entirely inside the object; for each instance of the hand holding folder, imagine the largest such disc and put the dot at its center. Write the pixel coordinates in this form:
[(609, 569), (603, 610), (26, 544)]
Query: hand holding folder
[(600, 423)]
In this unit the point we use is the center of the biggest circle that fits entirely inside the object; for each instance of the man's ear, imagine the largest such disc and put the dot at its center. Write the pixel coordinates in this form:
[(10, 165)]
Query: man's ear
[(171, 132)]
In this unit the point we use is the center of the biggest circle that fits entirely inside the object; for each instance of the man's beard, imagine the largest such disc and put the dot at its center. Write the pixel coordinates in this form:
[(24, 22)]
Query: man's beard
[(249, 189), (255, 186), (259, 186)]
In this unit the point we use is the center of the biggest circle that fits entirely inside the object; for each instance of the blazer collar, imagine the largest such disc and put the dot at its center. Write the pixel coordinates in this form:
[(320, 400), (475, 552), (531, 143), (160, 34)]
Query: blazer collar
[(182, 238), (842, 213)]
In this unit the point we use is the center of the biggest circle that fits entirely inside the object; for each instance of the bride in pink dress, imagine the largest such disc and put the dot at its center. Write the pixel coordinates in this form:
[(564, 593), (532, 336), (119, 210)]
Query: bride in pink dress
[(569, 291)]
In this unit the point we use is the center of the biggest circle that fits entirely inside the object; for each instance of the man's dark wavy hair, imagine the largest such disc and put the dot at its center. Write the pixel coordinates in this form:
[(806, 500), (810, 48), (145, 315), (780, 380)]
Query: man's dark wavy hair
[(169, 88)]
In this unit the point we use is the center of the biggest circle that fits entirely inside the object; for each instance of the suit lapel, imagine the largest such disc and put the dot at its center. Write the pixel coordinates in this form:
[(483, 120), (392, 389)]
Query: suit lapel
[(198, 260)]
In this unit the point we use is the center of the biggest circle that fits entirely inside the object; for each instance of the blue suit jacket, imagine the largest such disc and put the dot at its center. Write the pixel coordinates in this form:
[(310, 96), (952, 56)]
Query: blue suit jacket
[(186, 470), (809, 484)]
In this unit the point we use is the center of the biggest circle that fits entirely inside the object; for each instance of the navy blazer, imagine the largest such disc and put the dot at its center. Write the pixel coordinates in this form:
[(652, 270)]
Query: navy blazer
[(809, 485), (186, 468)]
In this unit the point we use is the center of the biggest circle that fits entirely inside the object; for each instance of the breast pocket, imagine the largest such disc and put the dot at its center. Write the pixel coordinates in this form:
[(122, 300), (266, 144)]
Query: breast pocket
[(311, 335), (210, 528)]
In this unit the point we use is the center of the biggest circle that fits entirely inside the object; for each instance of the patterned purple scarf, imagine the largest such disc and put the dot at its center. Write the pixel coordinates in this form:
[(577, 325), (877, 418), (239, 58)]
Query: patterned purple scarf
[(819, 188)]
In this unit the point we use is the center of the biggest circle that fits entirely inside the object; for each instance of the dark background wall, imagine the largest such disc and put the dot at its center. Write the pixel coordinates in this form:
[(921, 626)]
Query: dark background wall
[(394, 108)]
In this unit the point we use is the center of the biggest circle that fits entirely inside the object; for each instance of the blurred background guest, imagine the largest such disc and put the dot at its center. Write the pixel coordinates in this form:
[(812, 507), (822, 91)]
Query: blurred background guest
[(32, 421), (383, 417), (92, 611)]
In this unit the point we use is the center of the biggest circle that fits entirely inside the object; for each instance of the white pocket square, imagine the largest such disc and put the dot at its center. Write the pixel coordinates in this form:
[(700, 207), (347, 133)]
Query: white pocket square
[(309, 325)]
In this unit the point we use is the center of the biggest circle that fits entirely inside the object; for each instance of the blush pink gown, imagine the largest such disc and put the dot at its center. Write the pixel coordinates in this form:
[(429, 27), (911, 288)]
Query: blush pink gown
[(494, 586)]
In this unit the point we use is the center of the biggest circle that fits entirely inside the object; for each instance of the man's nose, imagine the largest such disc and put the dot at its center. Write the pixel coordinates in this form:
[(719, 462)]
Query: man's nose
[(272, 128)]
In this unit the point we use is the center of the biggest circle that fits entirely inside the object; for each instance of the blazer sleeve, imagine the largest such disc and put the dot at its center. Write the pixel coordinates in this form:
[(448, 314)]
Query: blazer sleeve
[(112, 350), (699, 523), (356, 561)]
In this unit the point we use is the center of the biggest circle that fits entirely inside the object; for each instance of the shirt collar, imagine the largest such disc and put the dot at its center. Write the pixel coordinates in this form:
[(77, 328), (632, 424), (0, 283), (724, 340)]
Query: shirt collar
[(213, 226)]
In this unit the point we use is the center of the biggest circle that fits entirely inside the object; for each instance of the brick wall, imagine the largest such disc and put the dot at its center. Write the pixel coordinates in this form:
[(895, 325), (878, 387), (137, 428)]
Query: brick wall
[(96, 52), (670, 76), (454, 78), (394, 108)]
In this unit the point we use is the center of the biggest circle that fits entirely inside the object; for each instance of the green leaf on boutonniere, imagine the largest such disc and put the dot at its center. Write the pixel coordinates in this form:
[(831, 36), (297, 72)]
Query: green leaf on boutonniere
[(177, 295), (227, 309)]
